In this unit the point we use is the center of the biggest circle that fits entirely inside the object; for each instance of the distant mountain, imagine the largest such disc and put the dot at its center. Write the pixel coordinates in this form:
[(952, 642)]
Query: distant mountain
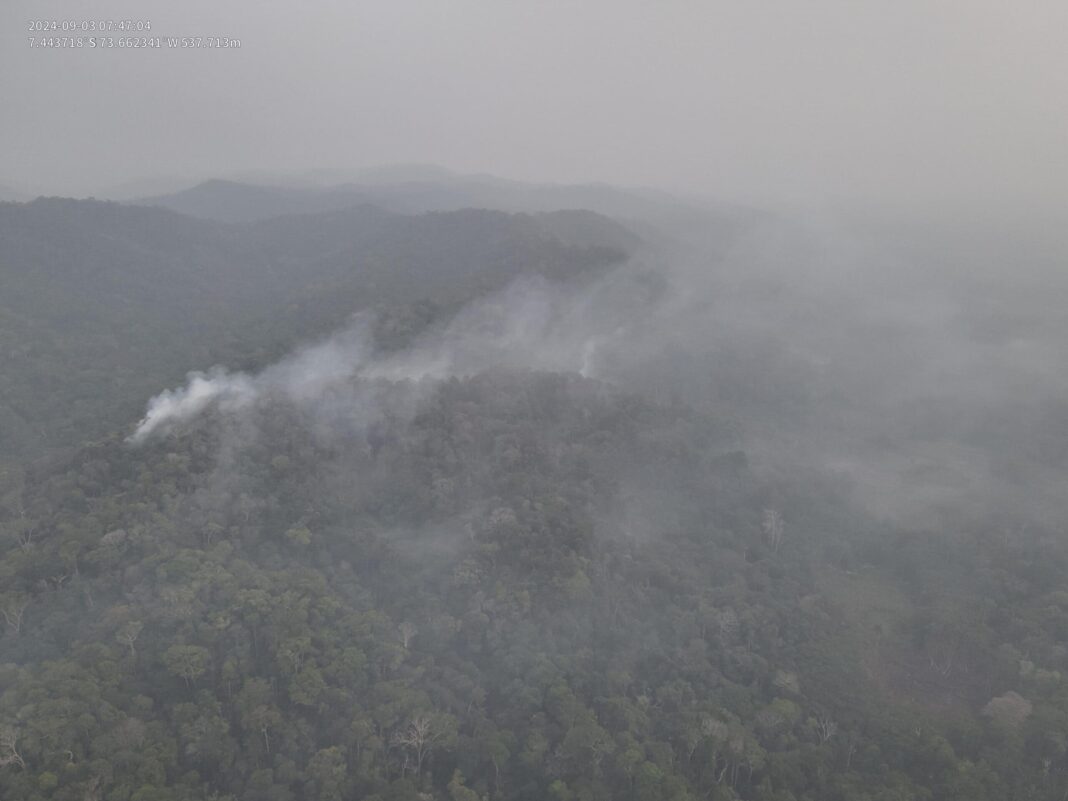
[(9, 194), (227, 201), (418, 189), (404, 173)]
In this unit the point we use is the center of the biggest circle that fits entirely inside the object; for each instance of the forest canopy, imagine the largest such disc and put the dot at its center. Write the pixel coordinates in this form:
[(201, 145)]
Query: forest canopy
[(492, 506)]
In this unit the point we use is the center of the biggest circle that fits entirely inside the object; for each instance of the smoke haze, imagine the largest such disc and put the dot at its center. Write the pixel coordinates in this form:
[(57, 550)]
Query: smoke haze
[(499, 401), (922, 106), (532, 324), (888, 357)]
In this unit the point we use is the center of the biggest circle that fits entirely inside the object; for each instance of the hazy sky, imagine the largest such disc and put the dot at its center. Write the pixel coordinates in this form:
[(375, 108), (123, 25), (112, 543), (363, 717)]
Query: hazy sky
[(924, 102)]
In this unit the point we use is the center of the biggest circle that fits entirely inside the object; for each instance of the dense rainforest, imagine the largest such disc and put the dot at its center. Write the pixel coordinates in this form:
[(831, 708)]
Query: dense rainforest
[(514, 582), (102, 304)]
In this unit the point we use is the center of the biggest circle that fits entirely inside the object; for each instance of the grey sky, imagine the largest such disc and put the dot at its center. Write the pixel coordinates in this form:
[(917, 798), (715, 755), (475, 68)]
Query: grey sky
[(927, 103)]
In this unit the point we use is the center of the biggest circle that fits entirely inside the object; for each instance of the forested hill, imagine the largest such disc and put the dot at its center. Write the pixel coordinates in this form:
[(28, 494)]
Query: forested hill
[(512, 586), (234, 201), (102, 304), (550, 521)]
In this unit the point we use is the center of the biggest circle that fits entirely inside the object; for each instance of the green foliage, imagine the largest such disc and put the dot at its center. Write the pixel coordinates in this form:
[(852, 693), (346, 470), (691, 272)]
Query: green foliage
[(534, 587), (102, 304)]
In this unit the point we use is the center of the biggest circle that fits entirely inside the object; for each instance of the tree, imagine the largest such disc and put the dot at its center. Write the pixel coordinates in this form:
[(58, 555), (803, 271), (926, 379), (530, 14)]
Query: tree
[(1010, 709), (9, 752), (405, 632), (187, 661), (824, 727), (774, 529), (258, 714), (328, 769), (307, 686), (458, 791), (420, 735), (128, 633), (13, 607)]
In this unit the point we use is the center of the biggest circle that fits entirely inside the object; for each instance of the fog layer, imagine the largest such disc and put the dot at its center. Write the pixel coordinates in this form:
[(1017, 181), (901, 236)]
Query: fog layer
[(922, 105)]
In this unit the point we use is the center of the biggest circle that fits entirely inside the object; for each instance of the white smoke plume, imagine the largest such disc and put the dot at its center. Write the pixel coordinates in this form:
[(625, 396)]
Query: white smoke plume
[(532, 324), (300, 377), (175, 405)]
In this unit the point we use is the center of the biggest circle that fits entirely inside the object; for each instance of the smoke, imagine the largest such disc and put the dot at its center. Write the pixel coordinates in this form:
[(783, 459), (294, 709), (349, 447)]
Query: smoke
[(178, 405), (301, 377), (532, 324), (893, 359)]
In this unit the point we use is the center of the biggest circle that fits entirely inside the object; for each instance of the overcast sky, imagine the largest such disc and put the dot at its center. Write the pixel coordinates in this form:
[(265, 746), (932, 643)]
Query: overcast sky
[(927, 102)]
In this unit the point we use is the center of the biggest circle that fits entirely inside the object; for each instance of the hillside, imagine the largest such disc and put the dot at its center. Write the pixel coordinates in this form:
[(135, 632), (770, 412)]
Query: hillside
[(101, 304), (517, 586), (484, 505)]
